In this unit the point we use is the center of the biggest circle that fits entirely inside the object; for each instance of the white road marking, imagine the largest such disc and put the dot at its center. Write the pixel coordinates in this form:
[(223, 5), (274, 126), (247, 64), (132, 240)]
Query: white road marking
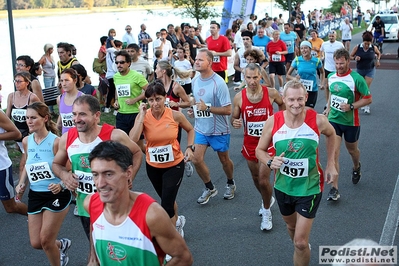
[(391, 221)]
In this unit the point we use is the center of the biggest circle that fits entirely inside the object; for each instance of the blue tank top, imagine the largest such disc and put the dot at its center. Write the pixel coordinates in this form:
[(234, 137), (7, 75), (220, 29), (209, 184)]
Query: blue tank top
[(39, 163), (366, 61)]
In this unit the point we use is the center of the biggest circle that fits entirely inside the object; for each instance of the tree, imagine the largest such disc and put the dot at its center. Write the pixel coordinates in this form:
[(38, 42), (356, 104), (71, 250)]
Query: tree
[(198, 9), (288, 5)]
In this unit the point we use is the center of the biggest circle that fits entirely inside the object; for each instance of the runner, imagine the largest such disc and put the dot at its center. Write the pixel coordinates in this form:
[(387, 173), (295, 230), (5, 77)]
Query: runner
[(343, 113), (48, 200), (75, 146), (299, 178), (115, 210), (252, 107)]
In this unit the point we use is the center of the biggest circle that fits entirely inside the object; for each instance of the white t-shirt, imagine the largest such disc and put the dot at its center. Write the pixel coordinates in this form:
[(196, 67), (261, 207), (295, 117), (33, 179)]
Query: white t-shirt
[(346, 31), (329, 48), (110, 60), (167, 46), (128, 38)]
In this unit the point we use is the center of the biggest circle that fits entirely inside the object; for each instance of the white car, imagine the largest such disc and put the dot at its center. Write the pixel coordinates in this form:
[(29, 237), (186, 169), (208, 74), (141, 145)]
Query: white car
[(391, 22)]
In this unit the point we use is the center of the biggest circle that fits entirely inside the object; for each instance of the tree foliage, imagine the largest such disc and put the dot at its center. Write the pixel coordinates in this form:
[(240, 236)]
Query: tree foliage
[(283, 4), (198, 9)]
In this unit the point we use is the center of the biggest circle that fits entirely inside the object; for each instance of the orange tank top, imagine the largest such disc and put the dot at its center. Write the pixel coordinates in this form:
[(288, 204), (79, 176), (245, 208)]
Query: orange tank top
[(163, 149)]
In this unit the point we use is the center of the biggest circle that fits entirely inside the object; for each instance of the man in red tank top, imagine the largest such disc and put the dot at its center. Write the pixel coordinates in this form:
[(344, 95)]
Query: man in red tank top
[(252, 107)]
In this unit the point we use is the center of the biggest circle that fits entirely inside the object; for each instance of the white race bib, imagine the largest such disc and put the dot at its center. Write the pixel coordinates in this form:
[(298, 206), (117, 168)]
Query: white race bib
[(288, 44), (216, 59), (67, 120), (276, 57), (308, 84), (123, 90), (38, 172), (313, 53), (181, 82), (255, 128), (86, 183), (295, 168), (201, 114), (161, 154), (19, 115), (336, 102), (262, 48)]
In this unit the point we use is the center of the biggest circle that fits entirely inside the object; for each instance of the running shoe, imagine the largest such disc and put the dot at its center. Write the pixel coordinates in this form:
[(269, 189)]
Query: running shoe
[(65, 245), (181, 221), (266, 223), (189, 168), (229, 193), (333, 194), (167, 258), (64, 259), (107, 110), (75, 211), (356, 174), (262, 208), (206, 195), (367, 109)]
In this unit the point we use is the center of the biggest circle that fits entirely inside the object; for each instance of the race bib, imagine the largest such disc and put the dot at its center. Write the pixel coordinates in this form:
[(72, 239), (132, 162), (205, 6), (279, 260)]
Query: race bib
[(255, 128), (216, 59), (167, 100), (67, 120), (201, 114), (161, 154), (86, 183), (313, 53), (295, 168), (181, 82), (308, 84), (38, 172), (288, 44), (336, 102), (123, 90), (276, 57), (18, 115), (262, 48), (346, 36)]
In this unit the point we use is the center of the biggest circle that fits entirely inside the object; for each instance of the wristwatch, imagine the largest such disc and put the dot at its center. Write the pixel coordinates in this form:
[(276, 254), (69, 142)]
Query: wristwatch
[(63, 187), (192, 147), (208, 108), (269, 163), (351, 106)]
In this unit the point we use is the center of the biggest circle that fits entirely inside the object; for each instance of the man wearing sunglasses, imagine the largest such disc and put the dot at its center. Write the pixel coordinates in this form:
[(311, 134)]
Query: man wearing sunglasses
[(130, 86), (128, 38)]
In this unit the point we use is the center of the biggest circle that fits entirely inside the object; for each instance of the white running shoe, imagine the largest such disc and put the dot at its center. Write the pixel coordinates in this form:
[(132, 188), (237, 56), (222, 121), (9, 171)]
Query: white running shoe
[(189, 168), (229, 193), (75, 211), (266, 223), (106, 110), (206, 195), (181, 221), (262, 208), (367, 109)]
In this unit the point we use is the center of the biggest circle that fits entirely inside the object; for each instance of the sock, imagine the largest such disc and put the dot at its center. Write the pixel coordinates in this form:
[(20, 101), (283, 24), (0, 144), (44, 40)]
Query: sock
[(209, 185), (230, 181)]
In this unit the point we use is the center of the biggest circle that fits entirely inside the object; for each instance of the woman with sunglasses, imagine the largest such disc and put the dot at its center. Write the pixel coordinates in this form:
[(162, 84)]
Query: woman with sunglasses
[(17, 104), (70, 83), (48, 199), (164, 158)]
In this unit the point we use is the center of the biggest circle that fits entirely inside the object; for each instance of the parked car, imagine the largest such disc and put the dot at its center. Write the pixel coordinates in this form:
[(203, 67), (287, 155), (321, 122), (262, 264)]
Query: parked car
[(391, 22)]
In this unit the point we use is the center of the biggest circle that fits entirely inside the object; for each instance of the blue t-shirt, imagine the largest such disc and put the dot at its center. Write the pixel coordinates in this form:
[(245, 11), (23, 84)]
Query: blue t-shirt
[(307, 70), (289, 40), (214, 92), (108, 43), (261, 42)]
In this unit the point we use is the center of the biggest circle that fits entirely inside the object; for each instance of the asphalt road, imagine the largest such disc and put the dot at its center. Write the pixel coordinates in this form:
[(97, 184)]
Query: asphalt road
[(227, 232)]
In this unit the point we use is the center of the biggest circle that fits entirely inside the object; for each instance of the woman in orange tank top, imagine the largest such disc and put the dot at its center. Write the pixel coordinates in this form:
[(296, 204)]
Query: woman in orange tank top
[(164, 158)]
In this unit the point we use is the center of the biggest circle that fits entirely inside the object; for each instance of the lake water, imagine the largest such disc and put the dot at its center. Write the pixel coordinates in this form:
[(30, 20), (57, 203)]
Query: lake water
[(85, 30)]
